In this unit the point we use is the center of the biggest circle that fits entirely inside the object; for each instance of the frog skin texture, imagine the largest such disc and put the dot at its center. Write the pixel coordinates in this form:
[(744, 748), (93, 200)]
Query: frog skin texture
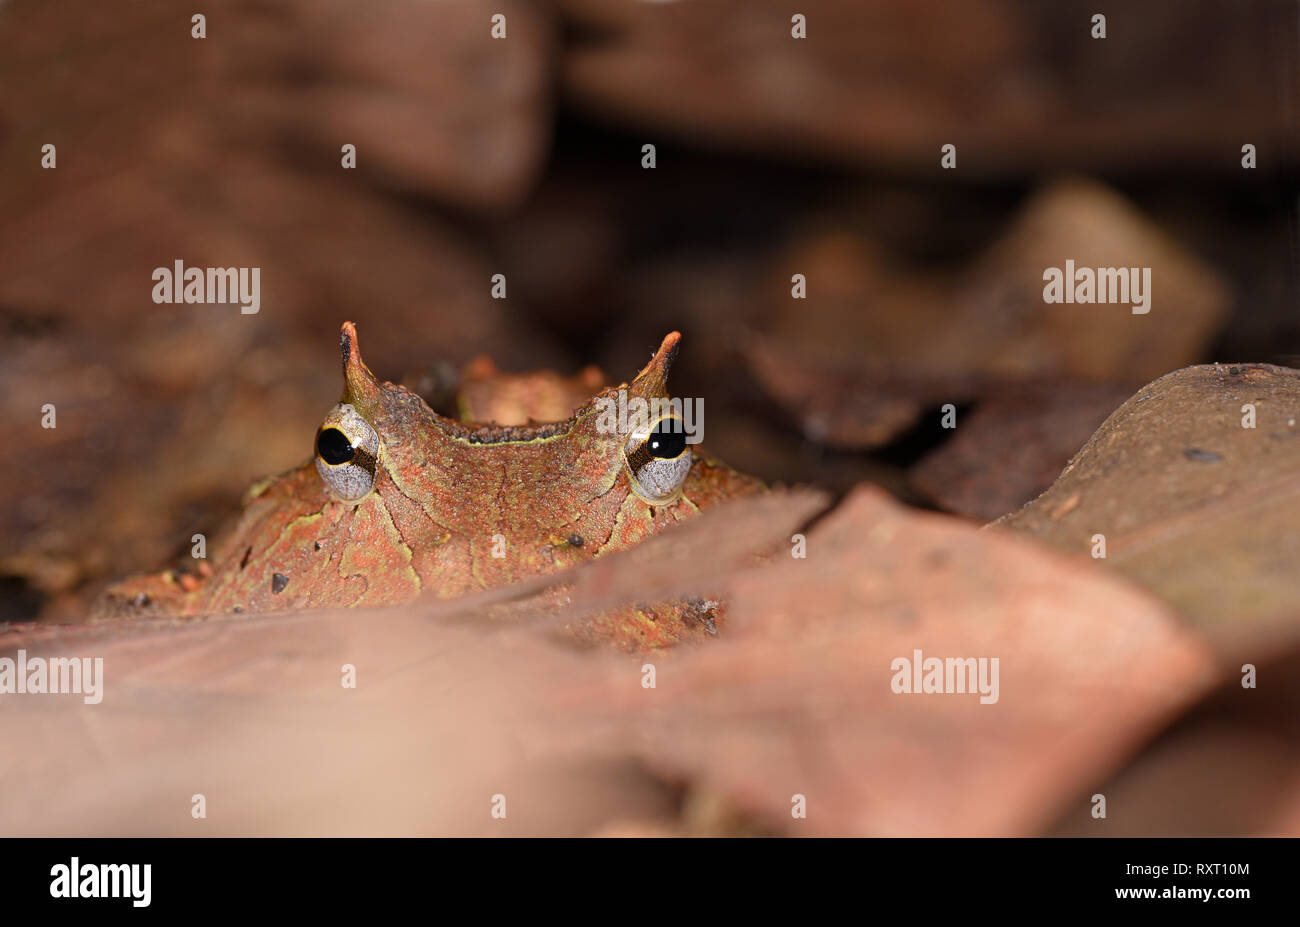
[(446, 496)]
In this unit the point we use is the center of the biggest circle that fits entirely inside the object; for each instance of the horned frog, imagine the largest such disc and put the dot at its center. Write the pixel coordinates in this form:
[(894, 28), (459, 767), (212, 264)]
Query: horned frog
[(400, 502)]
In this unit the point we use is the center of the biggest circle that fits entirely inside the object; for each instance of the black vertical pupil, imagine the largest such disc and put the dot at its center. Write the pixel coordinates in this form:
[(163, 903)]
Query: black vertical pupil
[(334, 447), (668, 440)]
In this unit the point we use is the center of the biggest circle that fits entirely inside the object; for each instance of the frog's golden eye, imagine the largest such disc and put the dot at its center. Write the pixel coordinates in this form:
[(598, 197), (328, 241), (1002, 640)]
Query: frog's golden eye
[(347, 449), (658, 460)]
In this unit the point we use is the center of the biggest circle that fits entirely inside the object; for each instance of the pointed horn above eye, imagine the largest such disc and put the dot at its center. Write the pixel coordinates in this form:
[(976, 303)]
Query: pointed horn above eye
[(359, 384), (653, 378)]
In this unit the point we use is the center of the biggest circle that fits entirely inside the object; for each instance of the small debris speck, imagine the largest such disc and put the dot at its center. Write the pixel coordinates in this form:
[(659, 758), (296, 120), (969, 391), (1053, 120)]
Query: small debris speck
[(278, 582), (1066, 507), (316, 546), (576, 539), (1202, 456)]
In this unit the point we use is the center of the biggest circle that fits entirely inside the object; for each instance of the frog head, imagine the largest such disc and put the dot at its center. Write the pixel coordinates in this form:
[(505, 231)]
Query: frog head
[(398, 502), (381, 432)]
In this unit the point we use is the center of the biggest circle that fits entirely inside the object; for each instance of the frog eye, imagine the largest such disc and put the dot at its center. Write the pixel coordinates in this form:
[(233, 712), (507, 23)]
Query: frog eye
[(658, 460), (346, 451)]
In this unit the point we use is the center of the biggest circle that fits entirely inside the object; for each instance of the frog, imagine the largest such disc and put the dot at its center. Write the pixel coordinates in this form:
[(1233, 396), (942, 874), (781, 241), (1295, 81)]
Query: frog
[(399, 503)]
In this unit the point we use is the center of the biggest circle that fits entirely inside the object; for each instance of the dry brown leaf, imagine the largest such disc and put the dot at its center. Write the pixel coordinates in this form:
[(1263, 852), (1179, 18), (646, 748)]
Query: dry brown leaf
[(1192, 505), (1228, 768), (797, 698)]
